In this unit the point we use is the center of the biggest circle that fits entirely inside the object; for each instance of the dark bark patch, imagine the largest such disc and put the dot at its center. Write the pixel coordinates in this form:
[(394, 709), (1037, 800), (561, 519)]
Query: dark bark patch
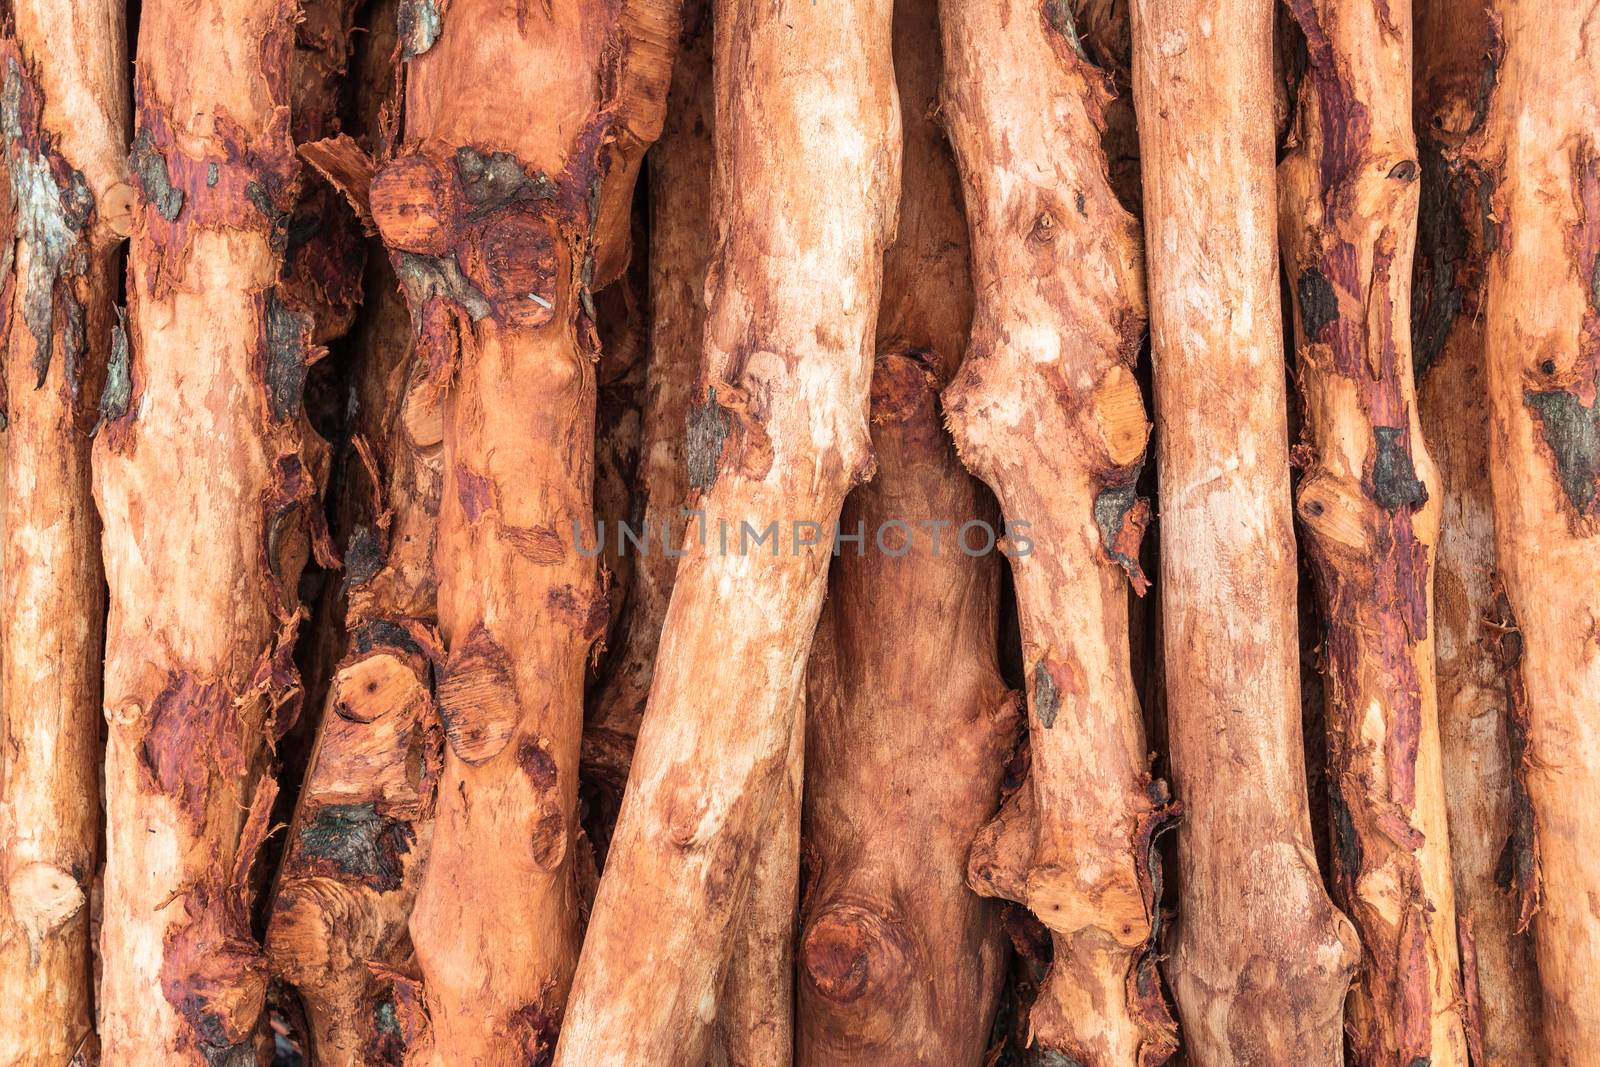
[(584, 614), (118, 392), (1121, 514), (478, 698), (419, 23), (1046, 695), (149, 168), (363, 557), (537, 764), (1572, 432), (427, 277), (1319, 304), (357, 842), (709, 427), (493, 180), (1394, 482), (1346, 839), (1442, 244), (288, 344)]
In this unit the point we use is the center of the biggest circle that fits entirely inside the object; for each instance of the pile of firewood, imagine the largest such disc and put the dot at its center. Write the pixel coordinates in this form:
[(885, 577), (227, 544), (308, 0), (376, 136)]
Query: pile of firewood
[(629, 533)]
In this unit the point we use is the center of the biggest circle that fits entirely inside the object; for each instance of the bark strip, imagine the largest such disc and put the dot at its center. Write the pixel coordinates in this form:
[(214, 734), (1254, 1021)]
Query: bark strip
[(63, 120), (206, 475), (777, 435), (1540, 158), (1261, 960), (1370, 511)]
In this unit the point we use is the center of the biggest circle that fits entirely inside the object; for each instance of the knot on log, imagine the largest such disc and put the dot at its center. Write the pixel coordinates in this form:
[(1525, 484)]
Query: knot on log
[(857, 955)]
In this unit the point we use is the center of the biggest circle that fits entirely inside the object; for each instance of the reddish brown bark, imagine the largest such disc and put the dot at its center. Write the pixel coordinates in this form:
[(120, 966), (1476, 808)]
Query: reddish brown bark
[(1455, 71), (491, 213), (1541, 163), (65, 88), (205, 479), (1369, 508), (900, 961), (779, 438), (1260, 958), (1047, 411)]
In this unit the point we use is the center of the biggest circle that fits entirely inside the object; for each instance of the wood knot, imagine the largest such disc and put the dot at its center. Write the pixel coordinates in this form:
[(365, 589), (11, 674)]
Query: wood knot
[(851, 953)]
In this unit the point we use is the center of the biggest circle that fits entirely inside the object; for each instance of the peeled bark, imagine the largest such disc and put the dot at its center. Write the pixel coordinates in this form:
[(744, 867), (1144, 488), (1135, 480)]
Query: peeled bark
[(1260, 958), (779, 438), (1542, 164), (490, 214), (64, 128), (900, 963), (1369, 508), (1046, 410), (205, 475), (1454, 74)]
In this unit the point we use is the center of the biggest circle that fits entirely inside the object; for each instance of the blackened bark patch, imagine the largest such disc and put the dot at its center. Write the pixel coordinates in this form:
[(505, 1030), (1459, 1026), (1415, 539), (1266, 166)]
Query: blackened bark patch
[(118, 392), (149, 169), (419, 25), (1046, 697), (709, 426), (426, 277), (386, 634), (1394, 478), (1346, 841), (1573, 433), (494, 180), (288, 340), (535, 1030), (1319, 303), (363, 556), (1436, 295), (359, 842), (277, 221), (1121, 514)]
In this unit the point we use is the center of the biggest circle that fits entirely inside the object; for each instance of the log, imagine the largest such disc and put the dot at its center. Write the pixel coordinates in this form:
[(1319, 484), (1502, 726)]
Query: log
[(1047, 411), (777, 435), (680, 247), (1541, 165), (64, 133), (1454, 74), (1260, 959), (490, 213), (901, 963), (1369, 508), (206, 477)]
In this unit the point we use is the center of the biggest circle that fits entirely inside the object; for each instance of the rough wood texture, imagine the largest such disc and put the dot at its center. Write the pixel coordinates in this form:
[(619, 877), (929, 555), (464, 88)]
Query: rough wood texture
[(1455, 71), (777, 435), (64, 87), (1369, 508), (364, 819), (206, 423), (900, 963), (755, 1024), (490, 214), (1261, 960), (1542, 339), (680, 248), (1046, 410)]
